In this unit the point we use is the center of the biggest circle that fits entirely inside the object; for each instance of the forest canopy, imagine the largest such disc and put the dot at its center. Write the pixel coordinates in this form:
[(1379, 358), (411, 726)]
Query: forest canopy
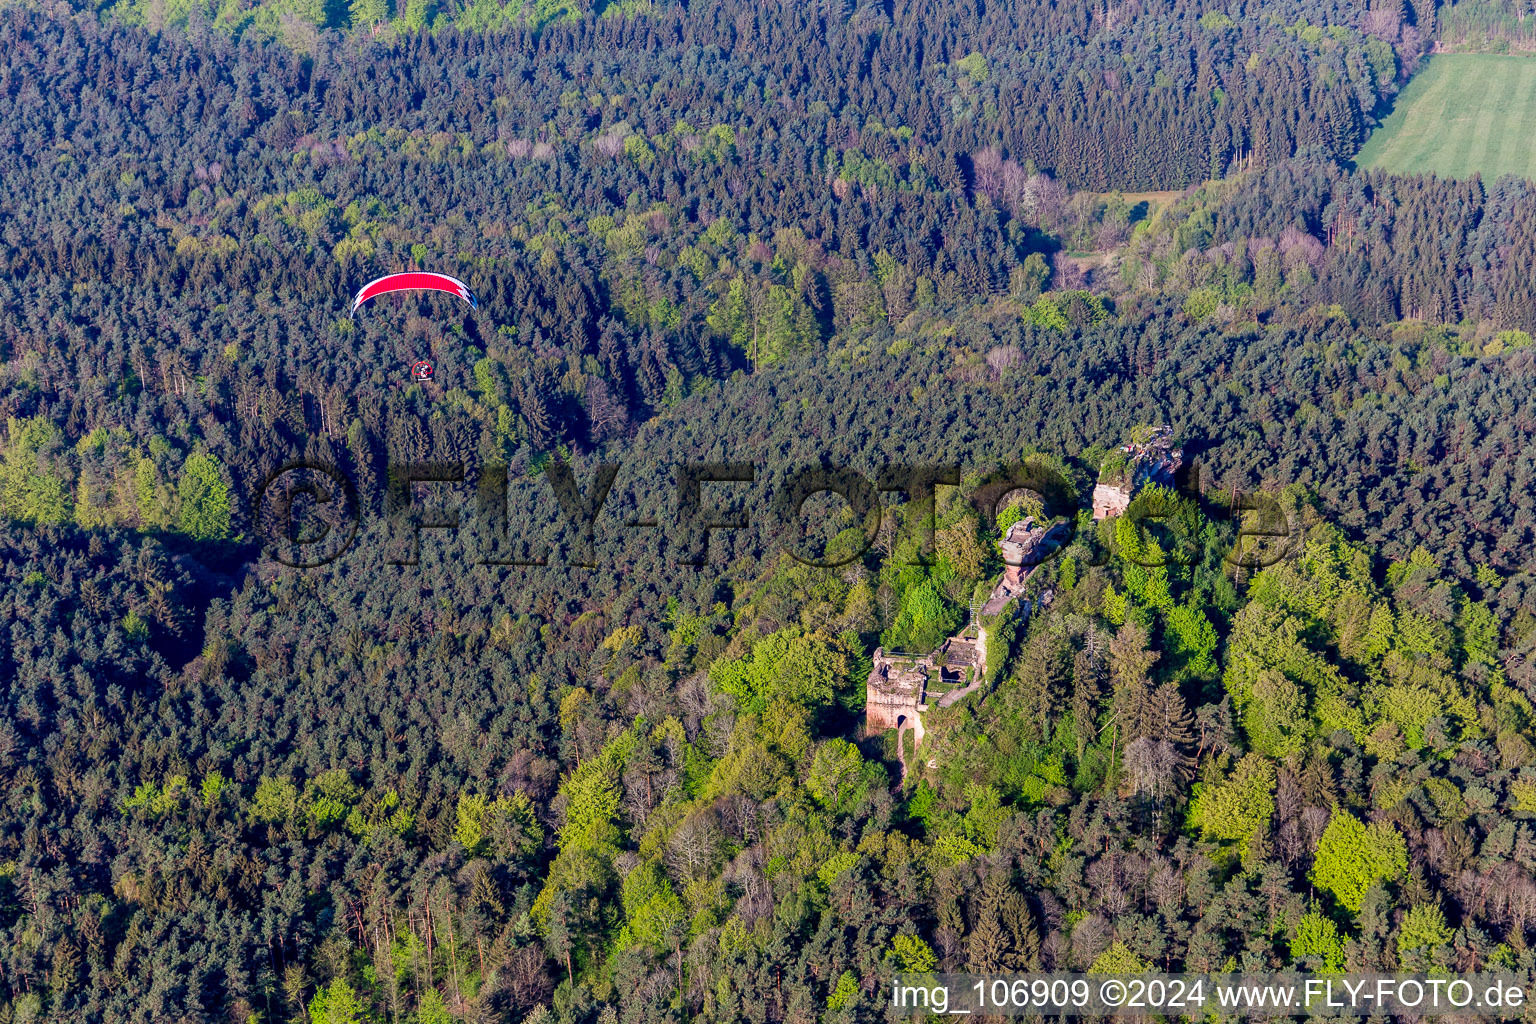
[(1279, 712)]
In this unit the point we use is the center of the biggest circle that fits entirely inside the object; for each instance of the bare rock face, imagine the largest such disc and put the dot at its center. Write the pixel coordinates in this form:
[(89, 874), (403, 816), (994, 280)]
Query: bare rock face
[(1110, 500), (1026, 545), (1151, 459)]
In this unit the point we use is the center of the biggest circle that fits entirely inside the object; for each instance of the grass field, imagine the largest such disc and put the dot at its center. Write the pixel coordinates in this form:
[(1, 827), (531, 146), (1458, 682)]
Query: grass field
[(1461, 115)]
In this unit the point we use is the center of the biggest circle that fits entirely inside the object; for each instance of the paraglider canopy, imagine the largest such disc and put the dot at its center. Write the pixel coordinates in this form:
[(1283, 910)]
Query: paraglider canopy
[(415, 280)]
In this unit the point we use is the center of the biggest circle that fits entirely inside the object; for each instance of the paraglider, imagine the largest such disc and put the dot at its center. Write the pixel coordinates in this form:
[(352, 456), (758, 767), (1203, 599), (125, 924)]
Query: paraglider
[(413, 280), (421, 371)]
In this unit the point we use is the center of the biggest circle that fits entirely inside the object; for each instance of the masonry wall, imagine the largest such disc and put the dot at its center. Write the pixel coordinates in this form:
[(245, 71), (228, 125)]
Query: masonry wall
[(1109, 500), (879, 717)]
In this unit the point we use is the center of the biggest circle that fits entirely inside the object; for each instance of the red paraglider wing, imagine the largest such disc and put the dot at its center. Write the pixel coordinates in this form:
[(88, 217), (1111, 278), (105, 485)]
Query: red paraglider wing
[(415, 280)]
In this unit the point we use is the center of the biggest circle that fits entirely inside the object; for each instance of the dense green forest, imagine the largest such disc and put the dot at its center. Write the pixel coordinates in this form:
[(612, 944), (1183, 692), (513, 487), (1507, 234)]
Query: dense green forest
[(618, 787), (1490, 26)]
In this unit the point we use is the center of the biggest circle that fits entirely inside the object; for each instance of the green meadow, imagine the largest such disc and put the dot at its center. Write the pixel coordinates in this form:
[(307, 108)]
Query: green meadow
[(1463, 114)]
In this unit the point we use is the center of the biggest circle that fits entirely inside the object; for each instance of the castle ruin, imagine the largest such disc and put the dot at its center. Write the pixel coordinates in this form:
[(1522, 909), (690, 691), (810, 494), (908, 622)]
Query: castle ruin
[(901, 687), (1151, 457)]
